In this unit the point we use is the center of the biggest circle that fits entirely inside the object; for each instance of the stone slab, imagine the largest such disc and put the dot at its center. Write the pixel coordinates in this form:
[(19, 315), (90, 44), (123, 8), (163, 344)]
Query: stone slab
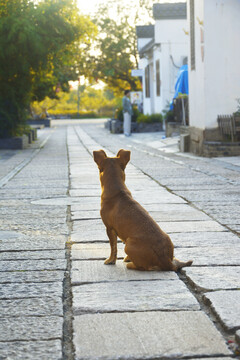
[(218, 211), (92, 179), (31, 276), (32, 255), (33, 210), (86, 196), (17, 241), (94, 230), (214, 278), (28, 350), (86, 224), (30, 228), (67, 200), (31, 328), (228, 194), (86, 192), (85, 214), (133, 296), (190, 226), (167, 226), (226, 305), (36, 222), (214, 255), (97, 271), (40, 306), (31, 194), (168, 212), (180, 214), (143, 197), (146, 335), (28, 290), (204, 239), (200, 180), (208, 185), (89, 236), (157, 197), (15, 265), (235, 227), (89, 251), (76, 185), (80, 181)]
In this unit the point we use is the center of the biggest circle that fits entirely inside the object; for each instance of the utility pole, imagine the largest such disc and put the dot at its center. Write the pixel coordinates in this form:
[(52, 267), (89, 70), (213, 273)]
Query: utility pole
[(78, 95)]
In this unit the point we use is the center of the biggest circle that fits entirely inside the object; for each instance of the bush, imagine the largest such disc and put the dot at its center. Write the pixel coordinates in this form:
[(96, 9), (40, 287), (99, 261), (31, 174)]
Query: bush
[(119, 113), (74, 115), (149, 119), (143, 118), (84, 115), (169, 116), (155, 118)]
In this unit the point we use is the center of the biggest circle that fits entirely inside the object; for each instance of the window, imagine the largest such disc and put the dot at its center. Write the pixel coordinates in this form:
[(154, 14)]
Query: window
[(147, 81), (158, 79), (192, 35)]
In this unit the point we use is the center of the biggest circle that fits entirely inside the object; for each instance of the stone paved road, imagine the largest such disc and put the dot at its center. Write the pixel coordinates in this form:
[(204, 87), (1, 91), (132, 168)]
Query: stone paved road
[(57, 298)]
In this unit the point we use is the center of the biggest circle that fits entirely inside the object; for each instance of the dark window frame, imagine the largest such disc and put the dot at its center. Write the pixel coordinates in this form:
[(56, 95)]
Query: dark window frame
[(158, 78), (147, 81), (192, 35)]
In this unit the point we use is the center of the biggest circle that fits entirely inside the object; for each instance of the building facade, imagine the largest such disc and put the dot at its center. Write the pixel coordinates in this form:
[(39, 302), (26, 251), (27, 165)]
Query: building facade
[(163, 49), (214, 71)]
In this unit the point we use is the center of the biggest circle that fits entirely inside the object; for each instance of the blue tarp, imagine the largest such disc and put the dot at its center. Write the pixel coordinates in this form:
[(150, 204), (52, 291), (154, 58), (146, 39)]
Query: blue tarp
[(181, 85)]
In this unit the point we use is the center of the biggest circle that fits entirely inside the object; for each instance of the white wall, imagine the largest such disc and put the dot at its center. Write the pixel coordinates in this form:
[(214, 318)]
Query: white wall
[(174, 44), (196, 77), (146, 101), (215, 84), (141, 42), (170, 31)]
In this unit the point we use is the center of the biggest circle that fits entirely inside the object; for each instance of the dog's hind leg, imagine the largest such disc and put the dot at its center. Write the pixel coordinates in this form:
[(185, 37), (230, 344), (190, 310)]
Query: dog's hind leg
[(127, 259), (113, 243), (132, 266), (136, 255)]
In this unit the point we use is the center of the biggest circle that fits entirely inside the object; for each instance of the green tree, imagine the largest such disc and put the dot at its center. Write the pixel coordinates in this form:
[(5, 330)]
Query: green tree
[(116, 45), (115, 48), (41, 48), (99, 102)]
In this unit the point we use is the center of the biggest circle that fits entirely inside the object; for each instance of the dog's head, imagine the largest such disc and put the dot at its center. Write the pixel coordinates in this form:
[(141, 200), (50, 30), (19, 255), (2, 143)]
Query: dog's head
[(115, 165)]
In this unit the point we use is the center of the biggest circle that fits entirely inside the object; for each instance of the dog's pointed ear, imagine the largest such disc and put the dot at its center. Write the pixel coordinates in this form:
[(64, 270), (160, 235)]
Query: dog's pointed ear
[(99, 156), (124, 156)]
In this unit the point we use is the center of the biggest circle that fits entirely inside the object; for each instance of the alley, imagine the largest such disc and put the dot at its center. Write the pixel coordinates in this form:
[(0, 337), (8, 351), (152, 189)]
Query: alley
[(58, 299)]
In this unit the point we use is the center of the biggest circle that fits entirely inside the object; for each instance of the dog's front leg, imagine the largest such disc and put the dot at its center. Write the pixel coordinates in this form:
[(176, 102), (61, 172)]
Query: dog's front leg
[(113, 243)]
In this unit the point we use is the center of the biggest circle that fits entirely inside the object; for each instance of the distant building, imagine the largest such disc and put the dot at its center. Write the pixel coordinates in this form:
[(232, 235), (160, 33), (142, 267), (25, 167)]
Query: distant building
[(163, 49), (214, 66)]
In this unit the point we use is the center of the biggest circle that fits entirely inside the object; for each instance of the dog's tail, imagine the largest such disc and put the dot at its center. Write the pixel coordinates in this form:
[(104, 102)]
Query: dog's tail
[(177, 264)]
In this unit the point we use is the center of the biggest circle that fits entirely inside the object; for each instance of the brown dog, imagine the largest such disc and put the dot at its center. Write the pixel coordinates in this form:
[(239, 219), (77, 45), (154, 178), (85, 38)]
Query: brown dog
[(146, 245)]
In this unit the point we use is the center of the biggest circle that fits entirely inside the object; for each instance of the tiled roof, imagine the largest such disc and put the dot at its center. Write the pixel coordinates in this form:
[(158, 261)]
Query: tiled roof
[(146, 31), (169, 11), (148, 47)]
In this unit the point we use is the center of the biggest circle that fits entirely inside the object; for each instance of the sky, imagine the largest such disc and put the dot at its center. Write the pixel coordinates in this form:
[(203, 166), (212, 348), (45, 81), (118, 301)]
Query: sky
[(89, 6)]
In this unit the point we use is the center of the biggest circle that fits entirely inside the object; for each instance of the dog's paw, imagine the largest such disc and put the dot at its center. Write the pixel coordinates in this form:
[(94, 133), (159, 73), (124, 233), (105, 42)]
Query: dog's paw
[(110, 261)]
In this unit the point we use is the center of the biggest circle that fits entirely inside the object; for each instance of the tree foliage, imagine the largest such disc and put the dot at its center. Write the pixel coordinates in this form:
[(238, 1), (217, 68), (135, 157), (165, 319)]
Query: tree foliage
[(96, 101), (115, 49), (41, 50)]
